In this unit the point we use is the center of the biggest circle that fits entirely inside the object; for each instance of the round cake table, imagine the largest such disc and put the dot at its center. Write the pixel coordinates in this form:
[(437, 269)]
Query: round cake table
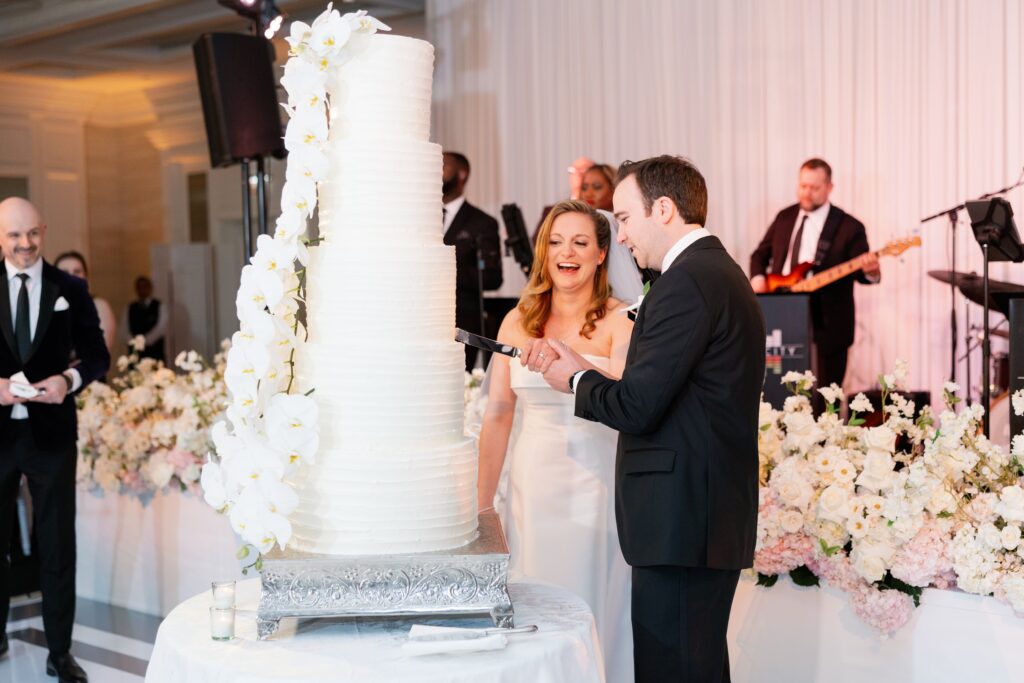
[(563, 650)]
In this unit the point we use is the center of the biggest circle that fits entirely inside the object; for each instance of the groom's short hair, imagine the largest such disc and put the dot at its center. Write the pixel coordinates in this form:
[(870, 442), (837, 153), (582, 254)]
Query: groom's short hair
[(673, 177)]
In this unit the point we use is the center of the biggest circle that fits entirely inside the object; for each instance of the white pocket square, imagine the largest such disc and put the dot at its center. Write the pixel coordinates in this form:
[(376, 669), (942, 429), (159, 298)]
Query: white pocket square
[(61, 305)]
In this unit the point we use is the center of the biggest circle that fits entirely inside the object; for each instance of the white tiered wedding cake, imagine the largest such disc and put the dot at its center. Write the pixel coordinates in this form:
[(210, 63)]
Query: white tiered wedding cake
[(394, 471)]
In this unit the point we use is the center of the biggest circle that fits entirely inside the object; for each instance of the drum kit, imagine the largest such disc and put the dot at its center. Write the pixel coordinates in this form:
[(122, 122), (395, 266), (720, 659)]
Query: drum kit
[(999, 295)]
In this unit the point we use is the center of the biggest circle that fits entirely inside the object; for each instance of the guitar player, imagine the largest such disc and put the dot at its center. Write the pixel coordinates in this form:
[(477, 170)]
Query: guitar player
[(815, 231)]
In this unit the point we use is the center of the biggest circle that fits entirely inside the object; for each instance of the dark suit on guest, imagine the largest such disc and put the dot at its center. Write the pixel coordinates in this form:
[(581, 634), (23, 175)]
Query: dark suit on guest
[(43, 446), (472, 228), (832, 308), (686, 488)]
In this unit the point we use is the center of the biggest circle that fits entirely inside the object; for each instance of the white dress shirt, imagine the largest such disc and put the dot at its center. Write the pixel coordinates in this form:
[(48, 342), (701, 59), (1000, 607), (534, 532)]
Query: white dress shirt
[(450, 209), (678, 248), (809, 240), (35, 291)]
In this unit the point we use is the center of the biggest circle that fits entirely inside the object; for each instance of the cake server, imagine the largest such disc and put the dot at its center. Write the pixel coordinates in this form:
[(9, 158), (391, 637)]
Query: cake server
[(484, 343)]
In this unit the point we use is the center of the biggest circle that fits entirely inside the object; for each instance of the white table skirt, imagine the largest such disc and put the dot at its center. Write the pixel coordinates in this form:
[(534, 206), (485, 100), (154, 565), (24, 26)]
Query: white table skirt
[(564, 650), (802, 635), (151, 557)]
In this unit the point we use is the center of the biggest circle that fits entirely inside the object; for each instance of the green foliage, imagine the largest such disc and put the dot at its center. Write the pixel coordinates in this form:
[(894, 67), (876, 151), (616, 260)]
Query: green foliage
[(889, 582), (767, 580), (802, 576)]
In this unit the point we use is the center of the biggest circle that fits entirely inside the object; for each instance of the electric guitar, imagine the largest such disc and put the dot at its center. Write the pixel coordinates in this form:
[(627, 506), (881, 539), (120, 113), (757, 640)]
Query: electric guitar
[(795, 282)]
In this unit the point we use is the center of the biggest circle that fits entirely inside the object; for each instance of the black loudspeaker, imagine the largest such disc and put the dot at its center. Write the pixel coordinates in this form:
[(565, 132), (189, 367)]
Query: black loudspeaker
[(236, 83)]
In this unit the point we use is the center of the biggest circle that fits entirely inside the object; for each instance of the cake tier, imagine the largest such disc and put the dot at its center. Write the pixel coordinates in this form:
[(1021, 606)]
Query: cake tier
[(358, 292), (384, 397), (359, 503), (384, 91), (382, 189)]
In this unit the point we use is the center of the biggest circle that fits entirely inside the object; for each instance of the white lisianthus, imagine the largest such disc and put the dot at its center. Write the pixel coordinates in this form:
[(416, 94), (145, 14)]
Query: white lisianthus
[(844, 471), (795, 404), (862, 404)]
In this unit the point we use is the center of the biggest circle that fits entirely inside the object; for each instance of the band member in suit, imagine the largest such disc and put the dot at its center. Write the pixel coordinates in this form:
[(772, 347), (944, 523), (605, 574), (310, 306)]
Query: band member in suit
[(815, 231), (686, 409), (46, 318), (477, 248)]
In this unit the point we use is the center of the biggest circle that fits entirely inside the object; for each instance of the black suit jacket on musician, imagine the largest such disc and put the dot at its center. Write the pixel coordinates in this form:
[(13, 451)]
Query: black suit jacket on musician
[(686, 410), (832, 307), (469, 228), (60, 336)]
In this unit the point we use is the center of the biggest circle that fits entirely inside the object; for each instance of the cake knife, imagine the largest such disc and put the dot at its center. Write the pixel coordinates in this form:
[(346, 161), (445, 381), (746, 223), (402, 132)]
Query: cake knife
[(470, 634), (484, 343)]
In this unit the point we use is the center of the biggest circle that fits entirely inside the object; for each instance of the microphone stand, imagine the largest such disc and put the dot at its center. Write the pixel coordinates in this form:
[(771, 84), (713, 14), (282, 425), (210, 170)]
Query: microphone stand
[(480, 298), (952, 213)]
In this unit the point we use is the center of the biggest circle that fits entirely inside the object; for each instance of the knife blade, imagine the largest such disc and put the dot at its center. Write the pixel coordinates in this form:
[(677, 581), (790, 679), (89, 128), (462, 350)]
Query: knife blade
[(475, 340)]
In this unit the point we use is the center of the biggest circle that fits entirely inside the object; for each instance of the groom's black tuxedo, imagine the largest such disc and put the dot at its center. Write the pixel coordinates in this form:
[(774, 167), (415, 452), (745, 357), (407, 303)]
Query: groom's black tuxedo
[(43, 446), (686, 483)]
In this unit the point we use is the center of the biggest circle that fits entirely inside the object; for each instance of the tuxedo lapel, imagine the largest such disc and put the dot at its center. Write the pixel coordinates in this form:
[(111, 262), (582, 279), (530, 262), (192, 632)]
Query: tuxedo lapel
[(828, 234), (5, 311), (461, 216), (47, 300), (783, 236)]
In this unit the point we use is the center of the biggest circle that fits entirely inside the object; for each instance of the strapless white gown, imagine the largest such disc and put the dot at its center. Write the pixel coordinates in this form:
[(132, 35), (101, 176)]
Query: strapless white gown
[(560, 520)]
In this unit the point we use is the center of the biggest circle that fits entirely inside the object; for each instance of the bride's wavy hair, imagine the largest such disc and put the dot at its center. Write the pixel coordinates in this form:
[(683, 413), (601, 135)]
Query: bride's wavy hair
[(535, 302)]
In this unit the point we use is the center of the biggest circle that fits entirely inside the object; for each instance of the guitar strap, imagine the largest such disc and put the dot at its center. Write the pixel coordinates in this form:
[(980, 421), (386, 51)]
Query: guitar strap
[(828, 233)]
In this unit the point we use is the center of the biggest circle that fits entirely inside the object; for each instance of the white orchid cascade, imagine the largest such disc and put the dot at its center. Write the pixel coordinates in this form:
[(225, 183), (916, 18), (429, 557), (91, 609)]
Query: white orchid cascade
[(271, 431)]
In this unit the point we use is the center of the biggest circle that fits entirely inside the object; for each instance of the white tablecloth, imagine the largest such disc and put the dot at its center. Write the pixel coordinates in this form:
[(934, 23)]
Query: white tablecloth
[(564, 650), (151, 557), (803, 635)]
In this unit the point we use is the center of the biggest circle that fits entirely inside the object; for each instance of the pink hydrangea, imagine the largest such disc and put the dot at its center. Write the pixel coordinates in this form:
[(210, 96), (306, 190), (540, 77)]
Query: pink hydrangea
[(926, 556), (838, 571), (792, 551), (888, 611), (180, 459)]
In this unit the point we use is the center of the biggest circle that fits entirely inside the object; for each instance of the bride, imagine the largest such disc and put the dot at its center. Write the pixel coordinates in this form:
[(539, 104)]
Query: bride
[(560, 521)]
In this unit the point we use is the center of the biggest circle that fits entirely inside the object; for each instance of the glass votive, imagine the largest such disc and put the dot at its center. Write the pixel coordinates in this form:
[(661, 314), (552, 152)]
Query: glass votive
[(222, 623), (223, 594)]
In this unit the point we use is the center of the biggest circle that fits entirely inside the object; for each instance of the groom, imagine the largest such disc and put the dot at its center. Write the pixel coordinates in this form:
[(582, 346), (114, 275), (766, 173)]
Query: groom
[(687, 412)]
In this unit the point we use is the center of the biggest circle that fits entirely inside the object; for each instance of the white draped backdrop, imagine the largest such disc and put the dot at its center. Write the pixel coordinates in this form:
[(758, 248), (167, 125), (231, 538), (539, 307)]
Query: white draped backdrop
[(917, 105)]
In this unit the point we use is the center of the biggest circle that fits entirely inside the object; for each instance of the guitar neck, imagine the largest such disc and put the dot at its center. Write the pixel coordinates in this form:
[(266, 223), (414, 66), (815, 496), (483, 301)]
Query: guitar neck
[(827, 277)]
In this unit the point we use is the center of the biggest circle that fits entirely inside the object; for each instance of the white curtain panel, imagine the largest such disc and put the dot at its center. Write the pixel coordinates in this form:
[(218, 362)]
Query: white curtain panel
[(916, 104)]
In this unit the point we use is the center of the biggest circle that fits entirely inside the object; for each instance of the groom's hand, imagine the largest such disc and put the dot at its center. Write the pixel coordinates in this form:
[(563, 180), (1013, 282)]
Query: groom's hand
[(567, 364), (537, 355)]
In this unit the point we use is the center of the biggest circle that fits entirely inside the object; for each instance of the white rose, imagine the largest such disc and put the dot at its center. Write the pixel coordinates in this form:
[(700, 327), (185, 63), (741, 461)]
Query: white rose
[(869, 565), (1011, 504), (833, 504), (880, 438), (1010, 536), (990, 536), (826, 459), (791, 521), (793, 491), (877, 473), (941, 501)]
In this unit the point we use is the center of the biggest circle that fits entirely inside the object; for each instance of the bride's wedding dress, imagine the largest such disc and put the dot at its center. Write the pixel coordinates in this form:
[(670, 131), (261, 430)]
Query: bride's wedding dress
[(560, 520)]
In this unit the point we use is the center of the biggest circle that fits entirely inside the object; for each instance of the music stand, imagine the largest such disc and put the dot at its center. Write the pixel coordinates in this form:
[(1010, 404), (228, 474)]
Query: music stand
[(517, 241), (996, 233)]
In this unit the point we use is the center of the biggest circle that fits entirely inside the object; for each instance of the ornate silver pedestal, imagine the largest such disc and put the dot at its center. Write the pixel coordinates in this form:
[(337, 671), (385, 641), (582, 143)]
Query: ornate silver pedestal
[(467, 580)]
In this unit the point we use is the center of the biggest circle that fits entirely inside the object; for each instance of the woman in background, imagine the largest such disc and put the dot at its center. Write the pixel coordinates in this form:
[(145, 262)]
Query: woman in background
[(73, 263), (597, 186)]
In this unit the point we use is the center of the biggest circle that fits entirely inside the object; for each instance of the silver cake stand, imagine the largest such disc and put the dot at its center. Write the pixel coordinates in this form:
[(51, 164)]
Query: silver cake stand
[(463, 581)]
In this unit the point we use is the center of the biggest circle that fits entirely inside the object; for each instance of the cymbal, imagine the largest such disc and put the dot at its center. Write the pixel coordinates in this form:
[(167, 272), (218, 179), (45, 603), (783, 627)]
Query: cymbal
[(972, 287)]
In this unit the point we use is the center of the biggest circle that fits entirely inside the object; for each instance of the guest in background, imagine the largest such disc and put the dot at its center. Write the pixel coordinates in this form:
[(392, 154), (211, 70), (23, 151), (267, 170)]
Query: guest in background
[(815, 231), (597, 186), (146, 316), (48, 318), (73, 263), (477, 248)]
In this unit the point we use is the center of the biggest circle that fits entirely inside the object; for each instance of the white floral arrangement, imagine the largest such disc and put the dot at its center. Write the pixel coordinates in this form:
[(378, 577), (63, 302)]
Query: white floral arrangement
[(149, 429), (271, 430), (883, 512)]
